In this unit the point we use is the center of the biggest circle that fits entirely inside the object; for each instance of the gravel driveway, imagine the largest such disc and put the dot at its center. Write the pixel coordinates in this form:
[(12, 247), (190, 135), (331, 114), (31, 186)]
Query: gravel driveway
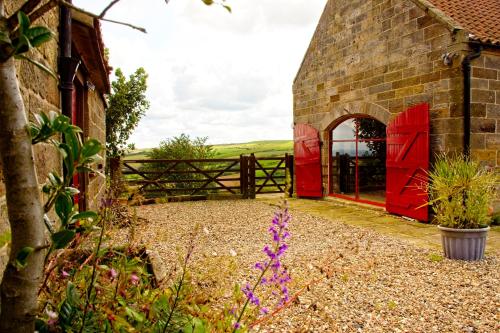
[(367, 282)]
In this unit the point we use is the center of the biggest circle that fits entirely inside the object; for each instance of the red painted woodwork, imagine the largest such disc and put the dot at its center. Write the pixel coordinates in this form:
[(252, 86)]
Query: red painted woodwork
[(74, 117), (80, 179), (408, 163), (307, 161)]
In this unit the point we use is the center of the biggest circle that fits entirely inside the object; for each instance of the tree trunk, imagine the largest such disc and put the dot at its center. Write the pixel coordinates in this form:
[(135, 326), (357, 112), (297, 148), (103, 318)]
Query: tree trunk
[(19, 288)]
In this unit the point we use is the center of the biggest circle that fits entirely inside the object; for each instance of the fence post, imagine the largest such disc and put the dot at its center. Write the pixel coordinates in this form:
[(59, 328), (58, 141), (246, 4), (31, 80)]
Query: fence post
[(288, 175), (251, 176), (244, 176)]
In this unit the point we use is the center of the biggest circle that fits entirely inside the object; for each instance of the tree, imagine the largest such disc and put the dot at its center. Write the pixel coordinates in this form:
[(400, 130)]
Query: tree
[(19, 287), (127, 105), (178, 148), (182, 147)]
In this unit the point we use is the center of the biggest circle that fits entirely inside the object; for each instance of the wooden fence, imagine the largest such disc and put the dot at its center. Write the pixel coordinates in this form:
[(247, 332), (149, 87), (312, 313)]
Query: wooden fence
[(246, 176)]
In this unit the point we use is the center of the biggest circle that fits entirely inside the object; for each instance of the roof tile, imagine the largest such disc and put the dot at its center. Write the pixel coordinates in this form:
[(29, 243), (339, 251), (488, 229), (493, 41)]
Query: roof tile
[(481, 18)]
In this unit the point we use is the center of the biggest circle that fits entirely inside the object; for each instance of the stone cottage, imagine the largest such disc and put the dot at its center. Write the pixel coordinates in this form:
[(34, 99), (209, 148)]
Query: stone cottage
[(387, 84), (76, 54)]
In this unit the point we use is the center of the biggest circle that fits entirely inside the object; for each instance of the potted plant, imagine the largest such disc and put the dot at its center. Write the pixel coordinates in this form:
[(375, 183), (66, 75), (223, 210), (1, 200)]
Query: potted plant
[(461, 191)]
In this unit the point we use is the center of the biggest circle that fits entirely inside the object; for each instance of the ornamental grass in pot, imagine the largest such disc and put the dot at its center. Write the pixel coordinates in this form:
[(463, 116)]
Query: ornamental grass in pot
[(461, 191)]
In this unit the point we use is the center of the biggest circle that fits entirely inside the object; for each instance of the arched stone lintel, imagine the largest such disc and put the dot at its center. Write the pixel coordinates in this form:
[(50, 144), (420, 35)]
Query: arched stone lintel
[(347, 110)]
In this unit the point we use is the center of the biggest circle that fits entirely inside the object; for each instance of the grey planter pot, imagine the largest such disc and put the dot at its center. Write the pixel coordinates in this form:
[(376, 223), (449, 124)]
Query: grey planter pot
[(464, 244)]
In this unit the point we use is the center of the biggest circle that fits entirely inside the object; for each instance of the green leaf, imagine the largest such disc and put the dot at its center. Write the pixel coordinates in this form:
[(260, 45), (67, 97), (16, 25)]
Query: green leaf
[(71, 191), (38, 35), (62, 238), (84, 215), (68, 160), (208, 2), (22, 257), (41, 118), (4, 38), (21, 44), (64, 207), (61, 123), (83, 168), (24, 22), (55, 179), (34, 131), (73, 142), (91, 148), (134, 314), (227, 8), (196, 325), (46, 188)]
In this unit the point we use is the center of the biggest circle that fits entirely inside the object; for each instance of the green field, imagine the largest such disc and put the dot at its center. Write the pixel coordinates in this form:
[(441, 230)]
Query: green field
[(259, 148), (269, 148)]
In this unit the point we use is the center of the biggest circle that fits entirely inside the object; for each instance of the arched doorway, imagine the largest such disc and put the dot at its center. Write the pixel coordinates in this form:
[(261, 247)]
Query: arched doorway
[(357, 164)]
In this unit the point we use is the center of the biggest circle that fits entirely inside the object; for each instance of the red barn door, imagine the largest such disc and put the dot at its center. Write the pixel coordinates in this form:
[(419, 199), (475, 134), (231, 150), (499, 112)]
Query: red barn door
[(408, 163), (307, 161)]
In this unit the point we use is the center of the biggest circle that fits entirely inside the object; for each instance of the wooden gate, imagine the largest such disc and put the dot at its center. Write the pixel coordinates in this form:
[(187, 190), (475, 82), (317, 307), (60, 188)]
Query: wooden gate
[(408, 163), (307, 161), (246, 176)]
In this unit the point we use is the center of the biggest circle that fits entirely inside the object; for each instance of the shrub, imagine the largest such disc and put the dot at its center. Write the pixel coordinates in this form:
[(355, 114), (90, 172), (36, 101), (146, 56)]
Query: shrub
[(461, 191)]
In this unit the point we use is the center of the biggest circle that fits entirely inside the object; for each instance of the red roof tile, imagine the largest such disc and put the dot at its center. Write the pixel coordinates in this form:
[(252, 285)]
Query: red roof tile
[(481, 18)]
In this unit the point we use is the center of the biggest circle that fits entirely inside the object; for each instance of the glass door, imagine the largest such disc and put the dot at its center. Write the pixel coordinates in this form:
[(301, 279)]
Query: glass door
[(357, 160)]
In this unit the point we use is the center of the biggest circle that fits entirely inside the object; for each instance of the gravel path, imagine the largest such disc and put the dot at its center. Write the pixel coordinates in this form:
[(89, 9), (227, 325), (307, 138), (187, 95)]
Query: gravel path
[(368, 282)]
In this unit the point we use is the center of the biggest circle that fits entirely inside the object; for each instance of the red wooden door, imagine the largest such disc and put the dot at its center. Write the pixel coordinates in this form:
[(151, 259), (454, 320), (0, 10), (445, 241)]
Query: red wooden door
[(408, 163), (307, 161)]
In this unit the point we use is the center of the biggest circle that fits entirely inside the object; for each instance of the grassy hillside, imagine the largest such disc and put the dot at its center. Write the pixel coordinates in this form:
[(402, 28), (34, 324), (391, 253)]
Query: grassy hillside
[(269, 148), (259, 148)]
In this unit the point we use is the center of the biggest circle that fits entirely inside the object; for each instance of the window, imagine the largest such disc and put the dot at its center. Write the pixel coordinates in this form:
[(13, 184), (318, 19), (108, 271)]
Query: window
[(357, 160)]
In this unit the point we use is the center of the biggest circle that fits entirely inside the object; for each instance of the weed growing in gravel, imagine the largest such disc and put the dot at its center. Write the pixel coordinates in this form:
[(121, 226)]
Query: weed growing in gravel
[(273, 276), (93, 288)]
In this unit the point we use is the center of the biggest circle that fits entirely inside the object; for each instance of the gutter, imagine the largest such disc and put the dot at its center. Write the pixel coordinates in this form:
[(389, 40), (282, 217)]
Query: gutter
[(466, 68)]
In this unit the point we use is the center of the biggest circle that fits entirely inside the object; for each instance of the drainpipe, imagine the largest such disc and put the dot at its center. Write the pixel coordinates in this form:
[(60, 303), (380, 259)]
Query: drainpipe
[(466, 67), (67, 65)]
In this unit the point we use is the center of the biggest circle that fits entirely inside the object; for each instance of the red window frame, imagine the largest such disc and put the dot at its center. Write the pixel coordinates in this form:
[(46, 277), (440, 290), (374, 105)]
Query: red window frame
[(356, 177)]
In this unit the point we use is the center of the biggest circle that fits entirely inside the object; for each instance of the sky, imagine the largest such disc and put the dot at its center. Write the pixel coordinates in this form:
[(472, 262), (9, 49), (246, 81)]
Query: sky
[(212, 74)]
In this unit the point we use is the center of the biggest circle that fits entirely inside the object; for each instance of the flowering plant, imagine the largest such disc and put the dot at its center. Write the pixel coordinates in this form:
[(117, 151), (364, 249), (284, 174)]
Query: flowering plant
[(273, 274)]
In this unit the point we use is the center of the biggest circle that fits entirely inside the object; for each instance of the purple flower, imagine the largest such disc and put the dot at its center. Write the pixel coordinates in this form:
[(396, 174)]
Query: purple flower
[(64, 274), (112, 273), (134, 279), (250, 295), (259, 266), (273, 275)]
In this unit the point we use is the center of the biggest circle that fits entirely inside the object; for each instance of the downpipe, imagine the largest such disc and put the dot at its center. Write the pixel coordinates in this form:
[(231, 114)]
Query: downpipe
[(466, 68)]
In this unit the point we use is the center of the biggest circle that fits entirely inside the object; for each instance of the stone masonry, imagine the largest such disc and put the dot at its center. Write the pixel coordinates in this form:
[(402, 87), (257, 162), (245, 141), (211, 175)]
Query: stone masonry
[(41, 94), (378, 57)]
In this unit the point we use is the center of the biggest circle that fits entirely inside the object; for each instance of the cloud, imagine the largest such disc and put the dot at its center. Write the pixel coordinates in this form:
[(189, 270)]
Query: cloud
[(211, 73)]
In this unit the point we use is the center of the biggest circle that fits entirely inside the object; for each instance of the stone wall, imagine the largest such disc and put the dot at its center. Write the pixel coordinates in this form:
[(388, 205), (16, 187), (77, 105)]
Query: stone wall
[(485, 109), (96, 121), (40, 94), (378, 57)]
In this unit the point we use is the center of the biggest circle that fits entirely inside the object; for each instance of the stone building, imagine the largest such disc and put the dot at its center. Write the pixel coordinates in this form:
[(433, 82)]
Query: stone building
[(76, 54), (382, 66)]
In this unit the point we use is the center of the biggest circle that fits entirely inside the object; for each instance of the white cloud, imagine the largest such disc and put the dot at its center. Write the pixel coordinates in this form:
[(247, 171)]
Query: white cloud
[(225, 76)]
